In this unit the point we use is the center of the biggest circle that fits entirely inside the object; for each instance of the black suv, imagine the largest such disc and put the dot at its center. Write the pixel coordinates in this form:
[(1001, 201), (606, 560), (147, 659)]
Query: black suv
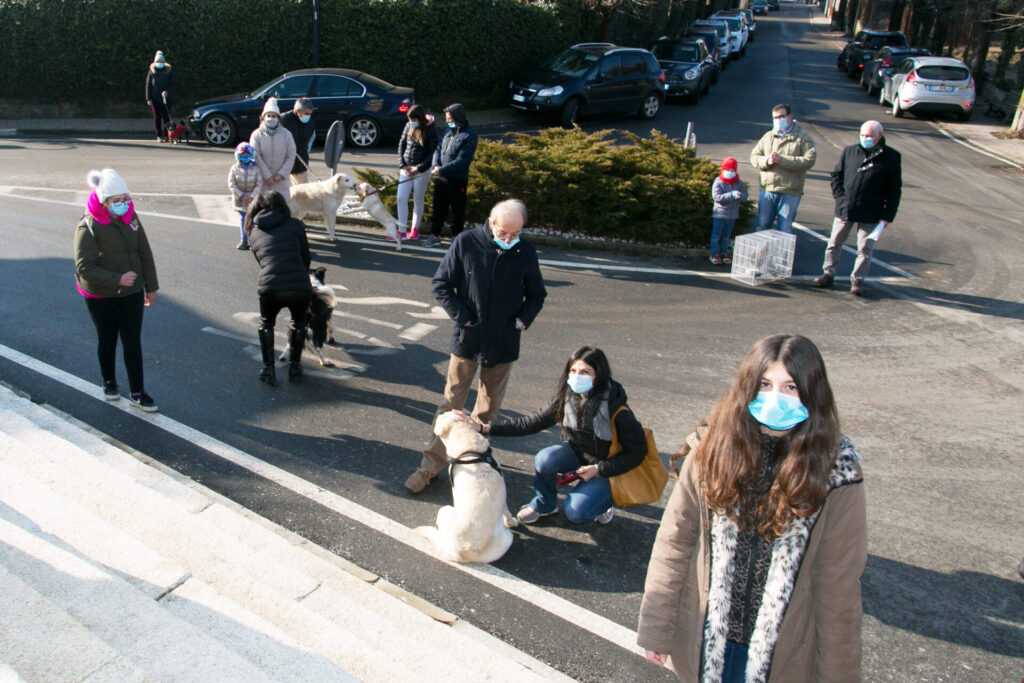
[(687, 67), (883, 63), (591, 78), (859, 50)]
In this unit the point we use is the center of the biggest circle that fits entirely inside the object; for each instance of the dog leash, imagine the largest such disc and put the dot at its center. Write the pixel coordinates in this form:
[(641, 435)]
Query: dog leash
[(486, 457), (378, 190)]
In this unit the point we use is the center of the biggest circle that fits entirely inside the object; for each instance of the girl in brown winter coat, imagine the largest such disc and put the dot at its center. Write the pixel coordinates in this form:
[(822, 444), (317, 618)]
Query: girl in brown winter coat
[(755, 572)]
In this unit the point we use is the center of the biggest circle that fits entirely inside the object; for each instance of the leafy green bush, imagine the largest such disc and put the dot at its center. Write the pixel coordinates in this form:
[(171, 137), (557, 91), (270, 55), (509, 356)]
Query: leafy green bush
[(653, 191)]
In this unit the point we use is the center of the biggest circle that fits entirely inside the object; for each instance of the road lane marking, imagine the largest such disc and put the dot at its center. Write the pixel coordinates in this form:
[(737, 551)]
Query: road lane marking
[(544, 262), (213, 207), (363, 318), (850, 250), (538, 597), (436, 313), (417, 331)]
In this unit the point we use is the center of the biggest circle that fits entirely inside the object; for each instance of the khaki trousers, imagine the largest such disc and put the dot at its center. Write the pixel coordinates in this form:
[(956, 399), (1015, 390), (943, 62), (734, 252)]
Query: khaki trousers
[(489, 394), (865, 247)]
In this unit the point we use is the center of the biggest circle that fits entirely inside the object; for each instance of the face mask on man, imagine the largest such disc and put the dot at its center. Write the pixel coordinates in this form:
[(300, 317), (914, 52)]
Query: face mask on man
[(304, 118), (777, 411), (581, 384), (119, 208), (867, 142), (505, 246), (781, 125)]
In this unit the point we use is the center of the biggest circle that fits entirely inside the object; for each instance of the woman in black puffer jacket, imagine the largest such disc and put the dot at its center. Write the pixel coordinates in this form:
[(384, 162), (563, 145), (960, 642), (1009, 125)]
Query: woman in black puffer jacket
[(279, 244)]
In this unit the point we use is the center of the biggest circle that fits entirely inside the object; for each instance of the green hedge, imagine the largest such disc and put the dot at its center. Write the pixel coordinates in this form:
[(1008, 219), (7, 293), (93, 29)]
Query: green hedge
[(610, 184), (95, 53)]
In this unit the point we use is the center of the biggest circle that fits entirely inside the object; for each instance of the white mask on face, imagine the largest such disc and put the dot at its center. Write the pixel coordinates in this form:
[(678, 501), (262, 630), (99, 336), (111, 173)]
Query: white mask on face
[(272, 122)]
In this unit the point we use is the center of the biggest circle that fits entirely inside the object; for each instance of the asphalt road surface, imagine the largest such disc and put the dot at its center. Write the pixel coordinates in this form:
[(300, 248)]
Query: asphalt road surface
[(928, 372)]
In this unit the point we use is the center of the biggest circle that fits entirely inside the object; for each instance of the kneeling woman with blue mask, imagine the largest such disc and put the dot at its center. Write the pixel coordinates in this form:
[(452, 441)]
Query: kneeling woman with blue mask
[(585, 400), (755, 572)]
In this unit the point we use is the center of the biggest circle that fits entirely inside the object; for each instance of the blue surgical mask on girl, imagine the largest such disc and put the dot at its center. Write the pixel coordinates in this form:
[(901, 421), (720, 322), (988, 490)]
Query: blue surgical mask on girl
[(452, 125), (729, 175), (245, 158), (414, 124), (777, 411), (119, 208), (581, 384), (866, 142), (305, 118), (504, 246)]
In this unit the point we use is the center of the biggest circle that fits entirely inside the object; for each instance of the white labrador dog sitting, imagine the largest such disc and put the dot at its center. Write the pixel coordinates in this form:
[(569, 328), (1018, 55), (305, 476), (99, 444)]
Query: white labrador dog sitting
[(326, 196), (475, 527)]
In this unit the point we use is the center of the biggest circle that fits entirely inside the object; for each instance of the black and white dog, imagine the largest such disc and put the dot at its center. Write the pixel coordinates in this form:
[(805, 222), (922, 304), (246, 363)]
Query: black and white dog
[(318, 318)]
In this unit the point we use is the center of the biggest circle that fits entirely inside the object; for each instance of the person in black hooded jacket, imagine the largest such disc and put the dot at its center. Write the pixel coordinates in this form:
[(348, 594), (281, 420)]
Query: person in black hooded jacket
[(451, 173), (279, 244), (159, 91), (585, 406), (489, 283), (866, 184)]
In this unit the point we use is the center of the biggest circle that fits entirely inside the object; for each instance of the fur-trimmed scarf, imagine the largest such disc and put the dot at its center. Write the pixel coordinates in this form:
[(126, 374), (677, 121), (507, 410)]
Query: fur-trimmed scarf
[(787, 554)]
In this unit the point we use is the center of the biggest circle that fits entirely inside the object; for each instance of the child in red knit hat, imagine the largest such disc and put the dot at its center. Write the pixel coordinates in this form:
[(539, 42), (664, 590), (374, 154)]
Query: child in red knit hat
[(728, 192)]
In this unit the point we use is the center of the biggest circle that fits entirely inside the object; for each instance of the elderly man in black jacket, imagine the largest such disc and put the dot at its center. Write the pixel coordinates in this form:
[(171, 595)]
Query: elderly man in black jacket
[(299, 121), (866, 184), (489, 283)]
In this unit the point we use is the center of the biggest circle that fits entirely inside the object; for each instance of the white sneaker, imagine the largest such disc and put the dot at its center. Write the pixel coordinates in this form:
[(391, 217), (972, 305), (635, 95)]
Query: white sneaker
[(605, 516), (527, 515)]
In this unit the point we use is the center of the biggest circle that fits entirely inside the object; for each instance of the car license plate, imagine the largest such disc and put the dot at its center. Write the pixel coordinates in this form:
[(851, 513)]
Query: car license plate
[(519, 98), (940, 88)]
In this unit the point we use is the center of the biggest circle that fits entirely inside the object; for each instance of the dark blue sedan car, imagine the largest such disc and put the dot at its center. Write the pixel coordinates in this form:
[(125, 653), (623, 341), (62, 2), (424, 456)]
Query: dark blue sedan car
[(372, 109)]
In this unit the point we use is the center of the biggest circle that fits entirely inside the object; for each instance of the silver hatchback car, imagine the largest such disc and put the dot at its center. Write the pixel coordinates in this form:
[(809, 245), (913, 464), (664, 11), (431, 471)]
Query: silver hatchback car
[(930, 84)]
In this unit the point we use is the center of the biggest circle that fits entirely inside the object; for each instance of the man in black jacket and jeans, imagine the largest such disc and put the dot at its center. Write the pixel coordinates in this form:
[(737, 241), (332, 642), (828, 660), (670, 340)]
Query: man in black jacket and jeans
[(489, 283), (866, 184)]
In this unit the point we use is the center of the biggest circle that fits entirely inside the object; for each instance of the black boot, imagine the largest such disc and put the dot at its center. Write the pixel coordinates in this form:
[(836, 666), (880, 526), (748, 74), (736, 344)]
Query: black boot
[(296, 341), (268, 373)]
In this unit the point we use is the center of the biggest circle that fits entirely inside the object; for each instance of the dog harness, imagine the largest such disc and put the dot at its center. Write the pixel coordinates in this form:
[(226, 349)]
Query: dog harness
[(486, 457)]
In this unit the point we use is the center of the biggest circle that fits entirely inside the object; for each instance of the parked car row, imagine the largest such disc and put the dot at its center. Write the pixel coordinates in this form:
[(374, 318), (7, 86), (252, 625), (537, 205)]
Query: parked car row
[(908, 78), (604, 78)]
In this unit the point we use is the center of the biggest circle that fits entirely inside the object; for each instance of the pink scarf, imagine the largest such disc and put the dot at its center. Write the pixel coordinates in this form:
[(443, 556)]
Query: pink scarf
[(100, 214)]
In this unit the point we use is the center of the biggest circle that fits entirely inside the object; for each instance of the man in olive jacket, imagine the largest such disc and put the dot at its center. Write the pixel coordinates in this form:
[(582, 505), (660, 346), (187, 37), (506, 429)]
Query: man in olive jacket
[(866, 184), (489, 283), (783, 155)]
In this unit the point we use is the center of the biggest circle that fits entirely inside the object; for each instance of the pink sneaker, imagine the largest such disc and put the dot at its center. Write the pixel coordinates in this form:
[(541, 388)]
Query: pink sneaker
[(401, 236), (414, 234)]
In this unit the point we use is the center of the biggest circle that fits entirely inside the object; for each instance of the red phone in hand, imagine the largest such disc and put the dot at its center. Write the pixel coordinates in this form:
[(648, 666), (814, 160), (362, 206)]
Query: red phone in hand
[(567, 478)]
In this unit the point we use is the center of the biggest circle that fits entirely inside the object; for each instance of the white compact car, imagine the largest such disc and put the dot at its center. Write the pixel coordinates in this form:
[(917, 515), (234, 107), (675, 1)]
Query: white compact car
[(930, 84), (738, 34)]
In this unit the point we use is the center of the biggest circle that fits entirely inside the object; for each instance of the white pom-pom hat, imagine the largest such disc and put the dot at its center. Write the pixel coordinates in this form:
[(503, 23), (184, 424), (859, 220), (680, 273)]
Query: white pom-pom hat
[(271, 108), (106, 183)]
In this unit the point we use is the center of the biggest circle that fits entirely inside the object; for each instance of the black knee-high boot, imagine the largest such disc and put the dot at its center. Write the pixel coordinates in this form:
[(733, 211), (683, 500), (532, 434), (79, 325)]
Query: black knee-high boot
[(296, 341), (268, 374)]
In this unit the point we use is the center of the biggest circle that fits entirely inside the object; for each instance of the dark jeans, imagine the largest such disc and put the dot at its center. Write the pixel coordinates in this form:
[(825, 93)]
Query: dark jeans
[(296, 301), (113, 317), (449, 192), (161, 117), (735, 663)]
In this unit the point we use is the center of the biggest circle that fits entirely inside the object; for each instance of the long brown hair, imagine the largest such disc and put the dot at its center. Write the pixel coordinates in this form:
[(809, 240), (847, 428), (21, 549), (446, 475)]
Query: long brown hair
[(418, 113), (729, 456), (595, 358)]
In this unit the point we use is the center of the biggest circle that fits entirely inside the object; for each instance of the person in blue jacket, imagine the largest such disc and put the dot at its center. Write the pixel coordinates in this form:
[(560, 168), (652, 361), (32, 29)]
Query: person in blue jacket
[(451, 173), (489, 284)]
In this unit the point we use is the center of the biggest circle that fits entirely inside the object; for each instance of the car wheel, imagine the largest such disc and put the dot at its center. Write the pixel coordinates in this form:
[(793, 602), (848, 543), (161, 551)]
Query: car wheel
[(851, 70), (896, 111), (363, 132), (881, 96), (863, 82), (707, 87), (650, 106), (840, 64), (570, 113), (871, 89), (714, 76), (219, 130)]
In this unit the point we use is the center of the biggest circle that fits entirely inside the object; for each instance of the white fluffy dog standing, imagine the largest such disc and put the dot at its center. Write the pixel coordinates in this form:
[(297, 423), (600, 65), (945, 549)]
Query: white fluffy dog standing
[(475, 527), (326, 196)]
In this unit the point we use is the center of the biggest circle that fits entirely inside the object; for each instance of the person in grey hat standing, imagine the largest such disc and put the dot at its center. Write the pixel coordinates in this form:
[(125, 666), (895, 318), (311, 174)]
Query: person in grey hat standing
[(451, 173), (275, 150), (159, 90)]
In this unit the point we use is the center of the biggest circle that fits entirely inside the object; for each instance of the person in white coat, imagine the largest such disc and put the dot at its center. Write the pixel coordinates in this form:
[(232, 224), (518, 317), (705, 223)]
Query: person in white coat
[(275, 150)]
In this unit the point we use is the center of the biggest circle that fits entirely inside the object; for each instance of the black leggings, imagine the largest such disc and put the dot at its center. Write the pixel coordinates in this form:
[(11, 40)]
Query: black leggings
[(449, 193), (296, 301), (113, 317), (161, 117)]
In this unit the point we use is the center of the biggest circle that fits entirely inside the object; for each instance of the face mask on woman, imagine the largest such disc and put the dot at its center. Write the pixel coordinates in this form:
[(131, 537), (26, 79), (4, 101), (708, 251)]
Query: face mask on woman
[(414, 124), (777, 411), (119, 208), (452, 125), (272, 122), (581, 384)]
